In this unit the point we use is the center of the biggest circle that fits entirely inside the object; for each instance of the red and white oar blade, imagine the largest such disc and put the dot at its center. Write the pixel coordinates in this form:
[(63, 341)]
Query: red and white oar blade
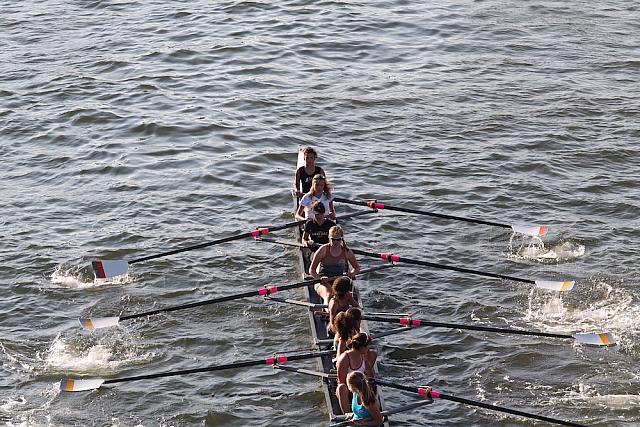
[(93, 323), (563, 286), (530, 230), (602, 338), (69, 384), (104, 269)]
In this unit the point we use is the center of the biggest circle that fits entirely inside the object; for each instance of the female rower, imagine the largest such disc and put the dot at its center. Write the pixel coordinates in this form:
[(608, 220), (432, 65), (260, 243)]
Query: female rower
[(341, 299), (320, 190), (332, 259), (345, 327), (356, 358), (365, 405), (316, 230), (304, 174)]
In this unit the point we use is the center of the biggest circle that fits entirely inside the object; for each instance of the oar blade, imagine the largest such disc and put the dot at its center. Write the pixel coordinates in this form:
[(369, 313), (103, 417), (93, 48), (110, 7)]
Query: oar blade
[(560, 286), (530, 230), (69, 384), (603, 339), (105, 269), (93, 323)]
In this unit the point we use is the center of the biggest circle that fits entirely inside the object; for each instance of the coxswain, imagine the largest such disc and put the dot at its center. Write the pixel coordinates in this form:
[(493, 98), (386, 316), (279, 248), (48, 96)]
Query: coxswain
[(304, 174)]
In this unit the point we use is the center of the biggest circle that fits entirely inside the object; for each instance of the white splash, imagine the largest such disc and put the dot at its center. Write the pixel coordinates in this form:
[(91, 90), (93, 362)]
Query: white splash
[(62, 355), (72, 277), (589, 394), (536, 250)]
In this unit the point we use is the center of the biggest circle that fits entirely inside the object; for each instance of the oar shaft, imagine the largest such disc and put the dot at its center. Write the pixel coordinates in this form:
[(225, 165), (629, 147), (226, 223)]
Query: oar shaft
[(395, 258), (438, 395), (235, 365), (217, 242), (418, 322), (377, 205), (222, 299), (266, 291)]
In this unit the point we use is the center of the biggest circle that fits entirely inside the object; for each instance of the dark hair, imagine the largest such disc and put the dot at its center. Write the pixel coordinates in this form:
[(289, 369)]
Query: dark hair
[(318, 207), (358, 341), (355, 313), (309, 150), (341, 286), (344, 326)]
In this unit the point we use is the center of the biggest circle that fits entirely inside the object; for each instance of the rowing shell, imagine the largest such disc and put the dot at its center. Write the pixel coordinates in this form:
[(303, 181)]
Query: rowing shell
[(319, 326)]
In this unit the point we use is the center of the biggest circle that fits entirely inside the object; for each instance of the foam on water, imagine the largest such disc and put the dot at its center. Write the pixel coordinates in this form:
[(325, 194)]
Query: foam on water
[(587, 393), (536, 250), (601, 308), (75, 278), (91, 356)]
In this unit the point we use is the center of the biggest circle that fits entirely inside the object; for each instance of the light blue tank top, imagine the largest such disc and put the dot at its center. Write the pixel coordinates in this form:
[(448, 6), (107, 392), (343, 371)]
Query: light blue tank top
[(359, 411)]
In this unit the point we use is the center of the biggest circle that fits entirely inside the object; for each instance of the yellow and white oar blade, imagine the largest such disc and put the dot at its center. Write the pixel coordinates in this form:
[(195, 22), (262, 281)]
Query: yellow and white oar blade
[(69, 384), (602, 338), (93, 323), (530, 230), (563, 286), (104, 269)]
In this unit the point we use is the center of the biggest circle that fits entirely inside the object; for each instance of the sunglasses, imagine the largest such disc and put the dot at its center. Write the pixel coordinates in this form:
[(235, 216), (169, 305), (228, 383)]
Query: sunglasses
[(336, 238)]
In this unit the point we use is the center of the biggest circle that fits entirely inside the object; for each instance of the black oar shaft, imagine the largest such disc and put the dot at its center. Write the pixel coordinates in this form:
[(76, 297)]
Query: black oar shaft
[(377, 205), (219, 300), (438, 395), (418, 322), (234, 365), (216, 242), (395, 258), (266, 291)]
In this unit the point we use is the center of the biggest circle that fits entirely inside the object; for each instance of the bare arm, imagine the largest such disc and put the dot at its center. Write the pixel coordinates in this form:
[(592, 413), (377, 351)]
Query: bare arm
[(313, 268), (296, 183), (300, 213), (355, 267), (332, 212)]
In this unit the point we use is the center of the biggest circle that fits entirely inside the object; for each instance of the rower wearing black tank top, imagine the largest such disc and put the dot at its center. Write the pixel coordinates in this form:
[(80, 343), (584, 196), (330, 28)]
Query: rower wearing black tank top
[(305, 174)]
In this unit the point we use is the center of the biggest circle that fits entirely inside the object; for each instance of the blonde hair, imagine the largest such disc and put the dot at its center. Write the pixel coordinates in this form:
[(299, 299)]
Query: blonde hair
[(358, 383)]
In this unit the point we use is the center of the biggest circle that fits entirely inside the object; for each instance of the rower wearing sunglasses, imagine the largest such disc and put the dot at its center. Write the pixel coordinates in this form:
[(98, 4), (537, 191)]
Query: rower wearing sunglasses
[(330, 260)]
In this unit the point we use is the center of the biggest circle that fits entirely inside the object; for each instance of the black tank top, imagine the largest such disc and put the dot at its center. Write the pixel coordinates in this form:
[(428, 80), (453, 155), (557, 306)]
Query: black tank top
[(306, 179)]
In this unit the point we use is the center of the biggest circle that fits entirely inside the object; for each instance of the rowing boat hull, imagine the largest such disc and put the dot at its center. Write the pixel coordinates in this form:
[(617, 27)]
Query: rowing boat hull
[(318, 325)]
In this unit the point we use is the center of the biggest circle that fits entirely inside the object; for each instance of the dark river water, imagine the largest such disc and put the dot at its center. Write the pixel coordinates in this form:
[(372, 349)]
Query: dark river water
[(131, 128)]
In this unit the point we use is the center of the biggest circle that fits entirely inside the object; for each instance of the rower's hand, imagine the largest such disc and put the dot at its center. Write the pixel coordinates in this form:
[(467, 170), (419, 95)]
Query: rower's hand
[(350, 275), (324, 280)]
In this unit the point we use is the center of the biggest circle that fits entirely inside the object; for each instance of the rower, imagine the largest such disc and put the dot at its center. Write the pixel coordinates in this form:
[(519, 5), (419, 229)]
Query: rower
[(356, 358), (320, 190), (346, 324), (316, 230), (330, 260), (341, 299), (304, 174), (365, 405)]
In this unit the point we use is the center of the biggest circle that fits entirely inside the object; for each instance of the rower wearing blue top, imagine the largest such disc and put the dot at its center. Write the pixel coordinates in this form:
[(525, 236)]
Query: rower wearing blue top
[(365, 406)]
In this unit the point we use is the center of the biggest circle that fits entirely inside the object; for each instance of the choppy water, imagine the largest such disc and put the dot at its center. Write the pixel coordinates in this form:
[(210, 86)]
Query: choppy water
[(131, 128)]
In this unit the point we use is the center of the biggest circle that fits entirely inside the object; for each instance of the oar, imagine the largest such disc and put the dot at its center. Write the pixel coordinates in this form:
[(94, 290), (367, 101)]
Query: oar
[(530, 230), (600, 338), (428, 392), (93, 323), (561, 286), (104, 269), (69, 384)]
